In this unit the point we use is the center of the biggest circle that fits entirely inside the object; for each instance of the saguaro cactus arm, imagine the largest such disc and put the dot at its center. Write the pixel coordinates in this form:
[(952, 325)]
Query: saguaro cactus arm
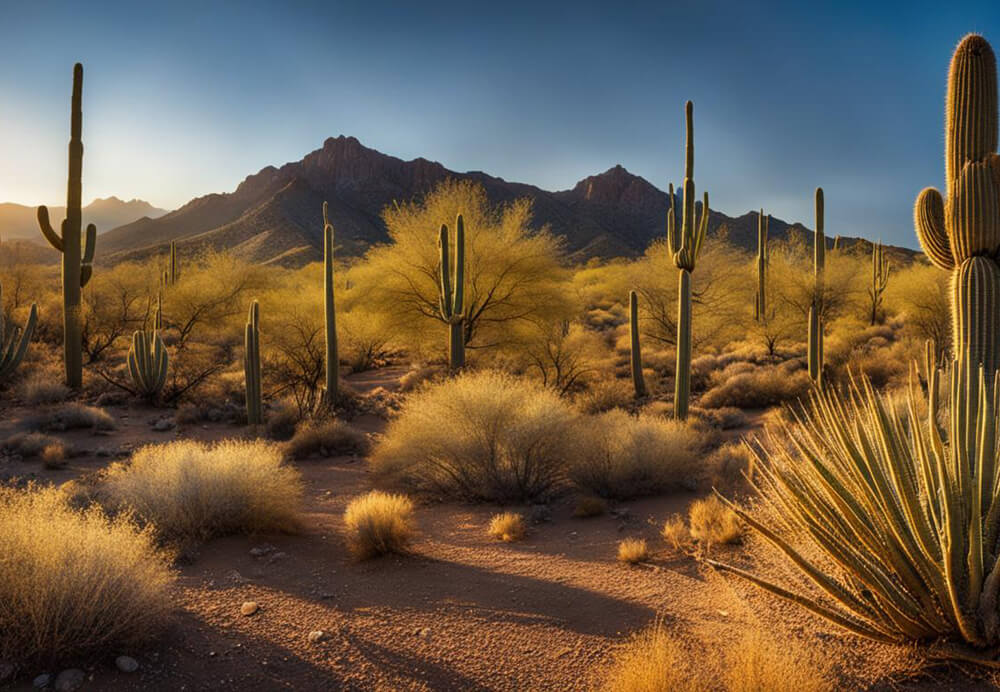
[(928, 218)]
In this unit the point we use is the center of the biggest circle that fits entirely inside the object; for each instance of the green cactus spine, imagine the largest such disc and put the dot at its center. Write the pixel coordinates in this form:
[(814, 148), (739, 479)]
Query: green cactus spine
[(251, 367), (815, 352), (14, 341), (880, 278), (684, 248), (451, 295), (760, 297), (963, 236), (147, 363), (331, 390), (77, 256), (635, 351)]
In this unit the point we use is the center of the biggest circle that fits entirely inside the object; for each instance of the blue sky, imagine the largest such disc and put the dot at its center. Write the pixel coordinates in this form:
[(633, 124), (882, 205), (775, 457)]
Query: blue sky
[(183, 99)]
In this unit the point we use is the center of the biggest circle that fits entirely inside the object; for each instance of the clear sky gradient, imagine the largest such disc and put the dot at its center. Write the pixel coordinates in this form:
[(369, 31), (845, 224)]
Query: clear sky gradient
[(183, 99)]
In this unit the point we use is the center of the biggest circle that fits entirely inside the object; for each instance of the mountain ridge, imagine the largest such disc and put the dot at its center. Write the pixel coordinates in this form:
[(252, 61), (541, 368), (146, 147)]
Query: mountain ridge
[(19, 221)]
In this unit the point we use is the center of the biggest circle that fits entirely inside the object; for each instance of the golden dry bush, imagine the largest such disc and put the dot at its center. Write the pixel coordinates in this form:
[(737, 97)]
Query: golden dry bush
[(713, 522), (632, 551), (328, 438), (378, 523), (587, 506), (54, 455), (652, 661), (756, 662), (186, 489), (507, 527), (676, 534), (75, 583)]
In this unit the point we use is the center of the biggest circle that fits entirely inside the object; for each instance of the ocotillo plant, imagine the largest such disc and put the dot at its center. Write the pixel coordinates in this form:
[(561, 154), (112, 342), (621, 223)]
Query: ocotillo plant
[(880, 278), (330, 391), (77, 257), (635, 352), (251, 367), (760, 297), (451, 293), (14, 341), (815, 354), (147, 363), (684, 248)]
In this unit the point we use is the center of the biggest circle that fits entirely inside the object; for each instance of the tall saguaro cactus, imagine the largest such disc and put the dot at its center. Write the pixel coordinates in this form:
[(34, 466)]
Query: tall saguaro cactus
[(880, 278), (635, 351), (760, 297), (251, 366), (14, 342), (332, 388), (962, 236), (684, 247), (77, 254), (815, 352), (451, 293)]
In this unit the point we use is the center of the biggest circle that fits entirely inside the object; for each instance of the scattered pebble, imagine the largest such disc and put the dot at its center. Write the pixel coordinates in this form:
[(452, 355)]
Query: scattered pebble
[(249, 608), (69, 680), (425, 633), (41, 681), (164, 424), (262, 550), (127, 664), (316, 636)]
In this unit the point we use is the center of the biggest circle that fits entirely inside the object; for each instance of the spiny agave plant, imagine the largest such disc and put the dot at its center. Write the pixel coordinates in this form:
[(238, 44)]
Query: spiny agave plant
[(894, 520), (147, 363), (685, 247)]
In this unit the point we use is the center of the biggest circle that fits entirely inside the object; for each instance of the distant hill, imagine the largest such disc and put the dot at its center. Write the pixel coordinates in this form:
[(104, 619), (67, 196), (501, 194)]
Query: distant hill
[(274, 214), (19, 222)]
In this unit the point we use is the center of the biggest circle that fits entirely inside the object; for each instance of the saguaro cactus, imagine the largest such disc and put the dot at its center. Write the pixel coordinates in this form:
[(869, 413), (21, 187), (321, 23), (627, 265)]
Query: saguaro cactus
[(147, 363), (451, 295), (77, 256), (330, 391), (14, 341), (635, 352), (815, 354), (880, 278), (962, 236), (251, 367), (760, 297), (684, 248)]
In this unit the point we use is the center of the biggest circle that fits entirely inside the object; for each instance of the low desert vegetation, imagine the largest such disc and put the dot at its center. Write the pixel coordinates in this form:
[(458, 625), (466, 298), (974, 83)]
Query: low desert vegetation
[(632, 551), (43, 389), (653, 661), (189, 490), (75, 583), (29, 444), (587, 506), (326, 438), (73, 416), (713, 523), (507, 527), (379, 523)]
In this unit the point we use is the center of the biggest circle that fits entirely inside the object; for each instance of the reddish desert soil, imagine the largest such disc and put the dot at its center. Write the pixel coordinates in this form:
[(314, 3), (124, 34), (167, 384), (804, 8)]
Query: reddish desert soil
[(461, 612)]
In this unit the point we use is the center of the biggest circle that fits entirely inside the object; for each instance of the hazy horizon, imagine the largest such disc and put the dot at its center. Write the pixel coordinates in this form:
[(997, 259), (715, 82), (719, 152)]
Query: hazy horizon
[(188, 100)]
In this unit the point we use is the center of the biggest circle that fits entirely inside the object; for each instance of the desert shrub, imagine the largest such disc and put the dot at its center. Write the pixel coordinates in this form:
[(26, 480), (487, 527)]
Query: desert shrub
[(54, 455), (191, 490), (507, 527), (417, 375), (757, 662), (587, 506), (378, 523), (728, 463), (41, 390), (605, 395), (632, 551), (652, 661), (74, 583), (676, 534), (331, 437), (73, 416), (723, 418), (712, 522), (764, 386), (29, 444), (281, 421), (480, 436), (620, 456)]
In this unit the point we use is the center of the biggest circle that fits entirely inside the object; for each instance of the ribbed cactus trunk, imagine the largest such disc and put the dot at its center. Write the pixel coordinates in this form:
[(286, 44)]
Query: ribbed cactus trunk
[(451, 293), (332, 388), (684, 248), (252, 368), (815, 347), (635, 351), (880, 279), (760, 297), (148, 363), (172, 269), (76, 257)]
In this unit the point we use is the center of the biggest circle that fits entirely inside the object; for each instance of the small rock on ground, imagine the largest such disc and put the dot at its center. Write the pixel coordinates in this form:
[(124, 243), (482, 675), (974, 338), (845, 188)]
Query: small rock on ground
[(127, 664), (69, 680), (249, 608), (41, 681), (316, 636)]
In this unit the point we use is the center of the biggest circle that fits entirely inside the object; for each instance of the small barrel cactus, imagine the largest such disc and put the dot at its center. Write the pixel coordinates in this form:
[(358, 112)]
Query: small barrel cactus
[(147, 363)]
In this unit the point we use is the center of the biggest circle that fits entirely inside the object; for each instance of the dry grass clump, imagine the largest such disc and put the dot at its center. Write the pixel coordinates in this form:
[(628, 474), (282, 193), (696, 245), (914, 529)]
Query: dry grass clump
[(713, 523), (281, 422), (728, 464), (73, 416), (757, 662), (191, 490), (761, 387), (74, 583), (41, 390), (327, 438), (676, 534), (29, 444), (418, 375), (632, 551), (587, 506), (54, 455), (652, 661), (507, 527), (480, 436), (620, 456), (723, 418), (378, 523), (605, 395)]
